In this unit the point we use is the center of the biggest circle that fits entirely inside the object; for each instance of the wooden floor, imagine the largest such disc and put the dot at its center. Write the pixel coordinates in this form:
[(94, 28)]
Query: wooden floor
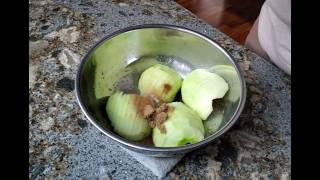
[(233, 17)]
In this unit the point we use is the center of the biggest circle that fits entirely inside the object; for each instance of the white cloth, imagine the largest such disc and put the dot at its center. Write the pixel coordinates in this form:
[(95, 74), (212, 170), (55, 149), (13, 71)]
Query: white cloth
[(159, 166), (274, 32)]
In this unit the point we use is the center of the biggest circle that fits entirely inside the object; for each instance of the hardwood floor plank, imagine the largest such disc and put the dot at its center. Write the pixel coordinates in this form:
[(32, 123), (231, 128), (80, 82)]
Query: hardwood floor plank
[(233, 17)]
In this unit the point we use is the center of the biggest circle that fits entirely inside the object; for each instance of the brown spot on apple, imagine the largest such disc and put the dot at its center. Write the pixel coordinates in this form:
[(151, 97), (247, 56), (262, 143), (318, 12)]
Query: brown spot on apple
[(166, 88)]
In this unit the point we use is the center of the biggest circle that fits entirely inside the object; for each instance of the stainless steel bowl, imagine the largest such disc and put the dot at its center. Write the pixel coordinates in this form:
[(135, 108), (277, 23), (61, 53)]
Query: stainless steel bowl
[(117, 61)]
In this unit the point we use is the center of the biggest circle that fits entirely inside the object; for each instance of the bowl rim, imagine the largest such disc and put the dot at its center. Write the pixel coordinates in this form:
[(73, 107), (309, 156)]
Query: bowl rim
[(141, 147)]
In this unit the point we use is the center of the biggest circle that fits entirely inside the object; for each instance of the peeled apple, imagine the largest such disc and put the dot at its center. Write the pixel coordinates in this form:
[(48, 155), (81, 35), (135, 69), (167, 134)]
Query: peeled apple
[(214, 121), (160, 81), (231, 76), (213, 124), (127, 121), (183, 126), (200, 88)]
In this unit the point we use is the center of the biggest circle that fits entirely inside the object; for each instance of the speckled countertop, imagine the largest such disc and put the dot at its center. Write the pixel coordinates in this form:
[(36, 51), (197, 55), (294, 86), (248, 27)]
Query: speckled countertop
[(63, 145)]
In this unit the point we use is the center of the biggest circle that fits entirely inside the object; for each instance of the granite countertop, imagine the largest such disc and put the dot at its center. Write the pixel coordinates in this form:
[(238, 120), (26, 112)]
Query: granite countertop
[(63, 145)]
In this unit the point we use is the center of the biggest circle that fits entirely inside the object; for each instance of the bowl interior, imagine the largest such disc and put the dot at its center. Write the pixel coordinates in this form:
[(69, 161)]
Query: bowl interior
[(117, 62)]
